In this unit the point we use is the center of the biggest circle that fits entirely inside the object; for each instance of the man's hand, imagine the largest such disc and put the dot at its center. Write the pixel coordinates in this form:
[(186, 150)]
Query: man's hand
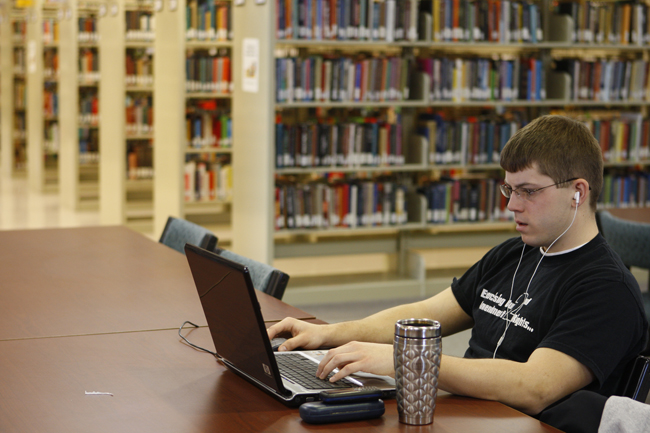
[(354, 357), (303, 334)]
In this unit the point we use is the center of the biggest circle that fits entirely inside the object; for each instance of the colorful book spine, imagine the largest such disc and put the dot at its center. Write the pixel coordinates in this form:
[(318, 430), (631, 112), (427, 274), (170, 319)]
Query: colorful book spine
[(207, 180)]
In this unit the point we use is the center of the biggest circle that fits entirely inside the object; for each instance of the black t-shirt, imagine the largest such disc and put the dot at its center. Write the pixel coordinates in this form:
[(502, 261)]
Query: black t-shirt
[(584, 303)]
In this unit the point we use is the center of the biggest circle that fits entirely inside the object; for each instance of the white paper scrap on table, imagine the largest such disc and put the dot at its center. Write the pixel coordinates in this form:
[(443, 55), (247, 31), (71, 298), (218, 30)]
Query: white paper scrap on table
[(99, 393)]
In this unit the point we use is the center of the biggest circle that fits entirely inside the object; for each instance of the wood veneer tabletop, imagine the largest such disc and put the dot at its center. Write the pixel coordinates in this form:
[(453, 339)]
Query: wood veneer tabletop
[(162, 385), (93, 280)]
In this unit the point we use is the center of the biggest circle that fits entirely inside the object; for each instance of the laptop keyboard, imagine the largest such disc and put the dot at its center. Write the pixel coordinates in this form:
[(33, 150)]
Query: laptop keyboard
[(302, 371)]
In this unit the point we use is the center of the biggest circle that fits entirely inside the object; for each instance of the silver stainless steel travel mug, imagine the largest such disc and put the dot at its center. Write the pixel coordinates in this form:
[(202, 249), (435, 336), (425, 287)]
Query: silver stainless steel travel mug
[(417, 350)]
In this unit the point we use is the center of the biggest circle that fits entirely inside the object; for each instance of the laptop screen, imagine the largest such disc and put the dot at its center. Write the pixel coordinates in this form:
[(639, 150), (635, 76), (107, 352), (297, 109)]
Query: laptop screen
[(233, 315)]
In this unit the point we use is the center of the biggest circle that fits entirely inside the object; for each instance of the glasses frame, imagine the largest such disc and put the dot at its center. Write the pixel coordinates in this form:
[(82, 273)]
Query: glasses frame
[(527, 193)]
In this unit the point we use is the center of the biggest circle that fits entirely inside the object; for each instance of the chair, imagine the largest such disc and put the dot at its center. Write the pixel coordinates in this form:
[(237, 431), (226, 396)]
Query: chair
[(178, 231), (265, 278), (631, 240)]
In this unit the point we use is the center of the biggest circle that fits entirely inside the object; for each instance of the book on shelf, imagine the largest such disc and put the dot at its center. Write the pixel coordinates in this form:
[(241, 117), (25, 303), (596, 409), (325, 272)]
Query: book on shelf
[(484, 79), (140, 160), (502, 21), (139, 67), (208, 20), (88, 145), (206, 129), (50, 28), (466, 141), (88, 109), (606, 80), (207, 180), (464, 200), (343, 79), (89, 66), (620, 22), (389, 20), (340, 204), (625, 190), (140, 26), (208, 73), (87, 29), (139, 115), (351, 142), (50, 101)]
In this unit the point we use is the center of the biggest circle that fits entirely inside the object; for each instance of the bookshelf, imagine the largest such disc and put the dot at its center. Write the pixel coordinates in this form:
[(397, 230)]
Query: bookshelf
[(193, 135), (457, 69), (13, 92), (126, 163), (42, 110), (79, 117)]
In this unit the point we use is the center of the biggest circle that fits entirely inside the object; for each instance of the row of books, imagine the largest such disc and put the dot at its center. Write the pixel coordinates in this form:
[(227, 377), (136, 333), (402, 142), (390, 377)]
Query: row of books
[(206, 73), (622, 138), (88, 145), (19, 61), (502, 21), (139, 160), (208, 20), (87, 29), (140, 26), (466, 141), (462, 200), (50, 30), (207, 180), (346, 204), (390, 20), (50, 102), (18, 31), (20, 95), (351, 143), (88, 65), (139, 68), (607, 79), (484, 79), (319, 78), (625, 190), (205, 130), (50, 63), (51, 138), (617, 22), (89, 109), (139, 115)]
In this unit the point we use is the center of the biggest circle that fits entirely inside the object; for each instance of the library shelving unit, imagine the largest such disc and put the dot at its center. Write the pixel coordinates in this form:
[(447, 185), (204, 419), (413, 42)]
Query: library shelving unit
[(192, 102), (332, 115), (41, 63), (13, 91), (125, 104), (79, 117)]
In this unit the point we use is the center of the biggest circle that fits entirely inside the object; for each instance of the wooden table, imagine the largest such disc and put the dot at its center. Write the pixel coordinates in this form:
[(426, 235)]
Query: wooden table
[(159, 384), (636, 214), (97, 280), (96, 309)]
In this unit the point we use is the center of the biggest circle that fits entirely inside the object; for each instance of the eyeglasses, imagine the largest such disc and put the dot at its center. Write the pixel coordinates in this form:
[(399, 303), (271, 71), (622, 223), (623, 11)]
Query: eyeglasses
[(526, 193)]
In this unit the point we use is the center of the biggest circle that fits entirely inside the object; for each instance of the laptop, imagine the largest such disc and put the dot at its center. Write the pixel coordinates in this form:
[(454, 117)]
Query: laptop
[(237, 327)]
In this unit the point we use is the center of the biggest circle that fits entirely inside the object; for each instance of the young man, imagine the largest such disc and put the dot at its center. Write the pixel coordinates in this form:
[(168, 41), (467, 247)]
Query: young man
[(552, 311)]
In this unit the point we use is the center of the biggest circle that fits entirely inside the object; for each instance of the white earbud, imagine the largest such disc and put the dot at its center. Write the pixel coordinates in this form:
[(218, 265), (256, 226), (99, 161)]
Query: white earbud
[(576, 197)]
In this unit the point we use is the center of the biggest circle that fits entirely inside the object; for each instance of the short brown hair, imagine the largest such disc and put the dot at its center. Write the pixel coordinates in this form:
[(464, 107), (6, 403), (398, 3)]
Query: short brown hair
[(562, 148)]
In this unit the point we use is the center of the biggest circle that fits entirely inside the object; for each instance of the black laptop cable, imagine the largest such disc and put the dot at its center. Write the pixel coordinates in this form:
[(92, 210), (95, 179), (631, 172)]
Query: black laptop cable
[(180, 334)]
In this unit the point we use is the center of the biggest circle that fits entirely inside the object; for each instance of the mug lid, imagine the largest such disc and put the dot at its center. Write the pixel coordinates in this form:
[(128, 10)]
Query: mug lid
[(417, 328)]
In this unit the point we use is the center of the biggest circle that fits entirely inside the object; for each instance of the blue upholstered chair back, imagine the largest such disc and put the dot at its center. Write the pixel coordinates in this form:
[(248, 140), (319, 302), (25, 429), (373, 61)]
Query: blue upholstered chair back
[(631, 240), (265, 278), (178, 231)]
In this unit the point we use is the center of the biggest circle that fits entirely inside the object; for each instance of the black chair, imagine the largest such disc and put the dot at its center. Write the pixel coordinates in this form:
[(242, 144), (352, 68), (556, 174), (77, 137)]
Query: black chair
[(178, 232), (265, 278), (631, 241)]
